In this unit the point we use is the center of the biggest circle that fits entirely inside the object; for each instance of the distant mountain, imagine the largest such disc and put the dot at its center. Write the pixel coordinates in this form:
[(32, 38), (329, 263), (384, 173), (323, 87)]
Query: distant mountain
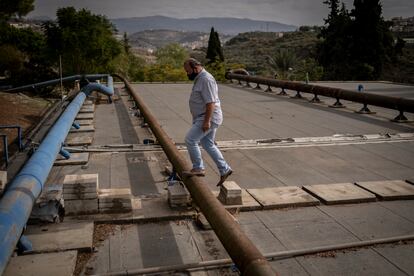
[(223, 25)]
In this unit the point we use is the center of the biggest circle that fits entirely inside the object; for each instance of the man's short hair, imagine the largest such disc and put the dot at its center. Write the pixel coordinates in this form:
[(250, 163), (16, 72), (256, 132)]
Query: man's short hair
[(192, 62)]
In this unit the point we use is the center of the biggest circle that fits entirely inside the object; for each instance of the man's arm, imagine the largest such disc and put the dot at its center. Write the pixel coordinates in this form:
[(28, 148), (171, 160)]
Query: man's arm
[(207, 117)]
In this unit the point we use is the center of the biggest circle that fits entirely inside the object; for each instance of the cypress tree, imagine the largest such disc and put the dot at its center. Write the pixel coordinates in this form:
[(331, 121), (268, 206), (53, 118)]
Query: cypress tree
[(214, 50), (372, 41)]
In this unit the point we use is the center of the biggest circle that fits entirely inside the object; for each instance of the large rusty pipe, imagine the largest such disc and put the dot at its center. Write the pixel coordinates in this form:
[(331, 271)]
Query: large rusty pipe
[(397, 103), (242, 251)]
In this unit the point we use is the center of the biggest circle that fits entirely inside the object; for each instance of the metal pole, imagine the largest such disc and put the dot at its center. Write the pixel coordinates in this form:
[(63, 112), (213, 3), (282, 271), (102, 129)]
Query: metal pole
[(60, 72), (244, 253), (397, 103), (5, 149)]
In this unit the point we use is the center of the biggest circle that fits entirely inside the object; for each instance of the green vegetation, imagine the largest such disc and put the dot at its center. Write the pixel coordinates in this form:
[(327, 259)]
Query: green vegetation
[(352, 45), (84, 40), (265, 53), (355, 45)]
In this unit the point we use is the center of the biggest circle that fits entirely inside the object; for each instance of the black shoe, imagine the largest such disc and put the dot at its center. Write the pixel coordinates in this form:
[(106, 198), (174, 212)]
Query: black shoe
[(224, 177)]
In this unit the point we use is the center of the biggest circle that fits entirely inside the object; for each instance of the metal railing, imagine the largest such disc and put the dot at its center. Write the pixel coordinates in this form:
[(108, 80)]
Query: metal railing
[(397, 103), (242, 251)]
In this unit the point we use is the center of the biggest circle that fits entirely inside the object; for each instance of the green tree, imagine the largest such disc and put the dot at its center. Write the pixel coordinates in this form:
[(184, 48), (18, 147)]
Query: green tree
[(125, 42), (372, 42), (23, 59), (282, 62), (12, 8), (172, 54), (84, 40), (214, 49), (334, 50)]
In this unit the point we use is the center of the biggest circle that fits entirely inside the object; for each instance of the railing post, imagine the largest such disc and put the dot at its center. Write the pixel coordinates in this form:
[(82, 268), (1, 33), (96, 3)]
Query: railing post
[(297, 96), (337, 104), (315, 99), (282, 92), (365, 110), (5, 149)]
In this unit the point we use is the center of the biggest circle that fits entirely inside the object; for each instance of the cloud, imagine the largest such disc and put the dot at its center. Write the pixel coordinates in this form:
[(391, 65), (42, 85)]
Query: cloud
[(296, 12)]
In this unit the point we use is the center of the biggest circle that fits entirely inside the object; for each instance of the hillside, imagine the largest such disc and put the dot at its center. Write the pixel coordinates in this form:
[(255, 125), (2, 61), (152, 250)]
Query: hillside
[(153, 39), (230, 26), (252, 48)]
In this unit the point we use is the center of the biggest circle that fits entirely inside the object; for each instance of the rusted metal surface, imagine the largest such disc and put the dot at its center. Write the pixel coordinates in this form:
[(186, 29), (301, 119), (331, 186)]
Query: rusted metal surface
[(397, 103), (242, 251)]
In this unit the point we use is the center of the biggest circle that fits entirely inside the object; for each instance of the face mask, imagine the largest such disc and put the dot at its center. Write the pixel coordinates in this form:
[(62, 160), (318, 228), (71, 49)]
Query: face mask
[(192, 76)]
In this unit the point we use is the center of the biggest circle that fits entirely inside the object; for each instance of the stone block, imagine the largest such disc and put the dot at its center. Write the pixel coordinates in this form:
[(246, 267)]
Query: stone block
[(230, 193), (113, 204), (80, 186), (81, 206), (178, 196)]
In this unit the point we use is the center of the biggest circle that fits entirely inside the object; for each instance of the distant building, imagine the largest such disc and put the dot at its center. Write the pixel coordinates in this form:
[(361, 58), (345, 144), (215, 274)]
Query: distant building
[(402, 25)]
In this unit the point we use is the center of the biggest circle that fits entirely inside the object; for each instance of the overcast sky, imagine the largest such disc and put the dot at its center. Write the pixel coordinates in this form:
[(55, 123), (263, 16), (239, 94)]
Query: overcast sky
[(295, 12)]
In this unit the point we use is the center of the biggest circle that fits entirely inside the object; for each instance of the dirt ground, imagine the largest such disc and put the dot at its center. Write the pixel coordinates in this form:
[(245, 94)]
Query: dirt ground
[(22, 110)]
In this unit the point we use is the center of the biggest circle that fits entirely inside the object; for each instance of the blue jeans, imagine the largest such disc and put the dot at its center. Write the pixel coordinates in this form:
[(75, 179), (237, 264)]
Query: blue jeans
[(196, 135)]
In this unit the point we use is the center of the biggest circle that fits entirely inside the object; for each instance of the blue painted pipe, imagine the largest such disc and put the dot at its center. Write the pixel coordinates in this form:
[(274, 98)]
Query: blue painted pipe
[(19, 198)]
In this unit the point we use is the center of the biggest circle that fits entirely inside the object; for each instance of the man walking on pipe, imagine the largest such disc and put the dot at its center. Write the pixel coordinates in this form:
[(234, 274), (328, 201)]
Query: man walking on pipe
[(207, 117)]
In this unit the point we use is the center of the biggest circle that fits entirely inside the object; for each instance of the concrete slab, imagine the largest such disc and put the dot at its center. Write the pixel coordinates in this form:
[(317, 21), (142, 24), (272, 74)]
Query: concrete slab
[(249, 203), (83, 128), (401, 256), (60, 263), (370, 220), (76, 158), (74, 140), (281, 197), (389, 190), (340, 193), (351, 262), (85, 122), (403, 208), (304, 227), (85, 116), (60, 237)]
